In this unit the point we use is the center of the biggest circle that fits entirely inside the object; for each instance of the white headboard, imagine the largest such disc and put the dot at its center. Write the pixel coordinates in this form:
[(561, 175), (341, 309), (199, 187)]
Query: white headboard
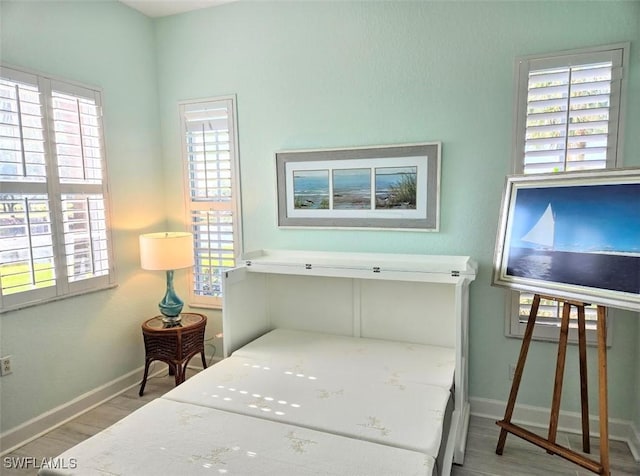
[(410, 298)]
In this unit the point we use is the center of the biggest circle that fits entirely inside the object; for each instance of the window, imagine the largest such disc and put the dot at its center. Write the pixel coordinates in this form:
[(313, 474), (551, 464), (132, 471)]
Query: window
[(568, 117), (210, 151), (54, 234)]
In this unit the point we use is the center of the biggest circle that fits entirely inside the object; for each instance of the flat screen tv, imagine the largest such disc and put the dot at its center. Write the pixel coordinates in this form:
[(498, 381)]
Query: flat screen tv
[(572, 235)]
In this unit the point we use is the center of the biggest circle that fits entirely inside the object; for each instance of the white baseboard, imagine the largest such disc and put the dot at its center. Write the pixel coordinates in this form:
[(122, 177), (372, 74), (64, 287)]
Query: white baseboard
[(198, 363), (570, 422), (38, 426), (44, 423), (634, 444)]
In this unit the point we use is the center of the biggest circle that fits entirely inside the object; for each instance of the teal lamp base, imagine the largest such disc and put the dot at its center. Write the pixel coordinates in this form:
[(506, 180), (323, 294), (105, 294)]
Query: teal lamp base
[(171, 305)]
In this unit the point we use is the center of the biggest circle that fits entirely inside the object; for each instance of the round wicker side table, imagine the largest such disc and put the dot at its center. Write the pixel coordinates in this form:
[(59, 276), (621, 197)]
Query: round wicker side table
[(175, 345)]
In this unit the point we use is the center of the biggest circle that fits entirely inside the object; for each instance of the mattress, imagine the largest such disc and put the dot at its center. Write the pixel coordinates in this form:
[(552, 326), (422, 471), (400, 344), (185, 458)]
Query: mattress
[(289, 402), (375, 391), (330, 354), (171, 438)]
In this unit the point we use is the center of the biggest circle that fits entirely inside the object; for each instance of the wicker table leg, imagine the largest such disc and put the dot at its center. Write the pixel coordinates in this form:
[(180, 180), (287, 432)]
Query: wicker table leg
[(147, 362)]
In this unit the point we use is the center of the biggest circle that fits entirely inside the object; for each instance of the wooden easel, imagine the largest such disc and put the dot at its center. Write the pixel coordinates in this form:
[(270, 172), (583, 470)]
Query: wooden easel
[(549, 443)]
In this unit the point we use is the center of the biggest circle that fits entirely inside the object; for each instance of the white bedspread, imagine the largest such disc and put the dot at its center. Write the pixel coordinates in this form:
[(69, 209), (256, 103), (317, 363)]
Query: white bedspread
[(167, 438), (289, 403), (331, 354), (343, 386)]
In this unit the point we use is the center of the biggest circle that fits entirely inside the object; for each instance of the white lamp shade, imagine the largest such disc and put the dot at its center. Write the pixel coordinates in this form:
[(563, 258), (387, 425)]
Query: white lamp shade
[(166, 251)]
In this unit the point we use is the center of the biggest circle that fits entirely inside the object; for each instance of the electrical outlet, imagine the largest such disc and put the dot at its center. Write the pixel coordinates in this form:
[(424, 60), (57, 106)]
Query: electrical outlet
[(512, 371), (5, 366)]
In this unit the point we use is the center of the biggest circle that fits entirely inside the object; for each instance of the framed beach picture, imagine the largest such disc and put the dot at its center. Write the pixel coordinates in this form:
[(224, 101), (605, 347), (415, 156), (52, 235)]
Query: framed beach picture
[(384, 187), (573, 235)]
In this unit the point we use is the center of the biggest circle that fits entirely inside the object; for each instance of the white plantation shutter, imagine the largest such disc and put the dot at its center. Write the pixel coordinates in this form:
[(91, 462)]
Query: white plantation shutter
[(568, 112), (568, 118), (212, 178), (85, 236), (76, 124), (27, 261), (54, 235), (22, 156)]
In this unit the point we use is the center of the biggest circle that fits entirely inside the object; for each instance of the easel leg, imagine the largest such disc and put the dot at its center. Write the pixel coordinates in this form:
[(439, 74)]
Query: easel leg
[(557, 387), (584, 393), (602, 467), (519, 369), (603, 399)]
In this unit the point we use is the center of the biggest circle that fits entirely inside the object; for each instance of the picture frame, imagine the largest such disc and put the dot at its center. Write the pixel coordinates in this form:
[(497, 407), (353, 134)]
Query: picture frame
[(572, 235), (375, 187)]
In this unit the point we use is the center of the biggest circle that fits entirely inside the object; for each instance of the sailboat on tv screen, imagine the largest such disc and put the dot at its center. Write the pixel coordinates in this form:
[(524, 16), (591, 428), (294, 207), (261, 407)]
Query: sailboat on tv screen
[(543, 232)]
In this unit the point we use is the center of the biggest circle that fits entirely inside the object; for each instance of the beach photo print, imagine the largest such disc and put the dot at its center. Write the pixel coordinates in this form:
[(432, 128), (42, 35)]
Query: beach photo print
[(388, 187)]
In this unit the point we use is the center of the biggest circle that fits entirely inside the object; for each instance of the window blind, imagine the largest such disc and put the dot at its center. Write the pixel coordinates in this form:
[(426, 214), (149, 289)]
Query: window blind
[(85, 236), (22, 155), (571, 113), (27, 261), (77, 137), (54, 232), (211, 163)]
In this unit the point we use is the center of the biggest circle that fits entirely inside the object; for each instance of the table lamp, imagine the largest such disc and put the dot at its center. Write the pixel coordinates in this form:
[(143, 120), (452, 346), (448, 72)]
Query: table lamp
[(167, 251)]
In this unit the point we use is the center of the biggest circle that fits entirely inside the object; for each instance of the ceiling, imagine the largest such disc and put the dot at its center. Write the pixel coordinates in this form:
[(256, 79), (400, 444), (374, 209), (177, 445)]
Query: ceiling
[(163, 8)]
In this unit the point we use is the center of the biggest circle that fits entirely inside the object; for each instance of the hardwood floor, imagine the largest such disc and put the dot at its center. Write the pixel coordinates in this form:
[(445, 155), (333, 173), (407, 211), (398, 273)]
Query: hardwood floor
[(88, 424), (520, 458)]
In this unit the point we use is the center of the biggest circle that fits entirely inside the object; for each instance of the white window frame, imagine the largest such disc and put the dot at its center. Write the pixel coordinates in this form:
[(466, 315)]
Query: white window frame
[(232, 206), (55, 188), (548, 329)]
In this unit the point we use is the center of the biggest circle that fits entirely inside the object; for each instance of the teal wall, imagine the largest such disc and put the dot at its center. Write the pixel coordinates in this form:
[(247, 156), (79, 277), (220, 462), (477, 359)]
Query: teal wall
[(306, 75), (343, 74), (67, 348)]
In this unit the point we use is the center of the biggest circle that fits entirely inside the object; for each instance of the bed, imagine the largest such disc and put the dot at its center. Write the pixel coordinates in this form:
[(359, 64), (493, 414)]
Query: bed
[(335, 363)]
